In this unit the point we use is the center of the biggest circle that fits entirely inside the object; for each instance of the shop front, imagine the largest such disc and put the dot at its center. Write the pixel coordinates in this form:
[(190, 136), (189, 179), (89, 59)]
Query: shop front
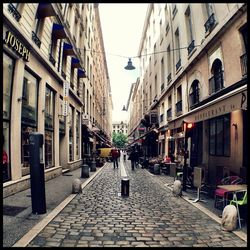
[(218, 138)]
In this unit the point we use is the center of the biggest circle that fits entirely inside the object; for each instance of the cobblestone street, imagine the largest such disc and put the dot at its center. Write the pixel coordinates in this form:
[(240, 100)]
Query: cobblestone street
[(150, 217)]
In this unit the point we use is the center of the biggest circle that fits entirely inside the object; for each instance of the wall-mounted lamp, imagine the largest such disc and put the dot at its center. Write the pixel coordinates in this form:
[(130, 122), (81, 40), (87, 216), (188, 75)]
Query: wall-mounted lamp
[(19, 99), (124, 108)]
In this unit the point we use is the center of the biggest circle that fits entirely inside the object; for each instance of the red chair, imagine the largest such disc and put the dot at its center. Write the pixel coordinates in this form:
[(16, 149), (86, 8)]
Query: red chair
[(221, 195)]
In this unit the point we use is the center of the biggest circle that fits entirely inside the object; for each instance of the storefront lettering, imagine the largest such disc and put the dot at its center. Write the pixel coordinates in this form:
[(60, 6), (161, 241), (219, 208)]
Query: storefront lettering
[(211, 113), (16, 45)]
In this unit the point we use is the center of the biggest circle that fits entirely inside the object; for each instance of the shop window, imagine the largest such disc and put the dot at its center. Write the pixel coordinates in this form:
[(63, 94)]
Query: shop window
[(219, 136), (62, 119), (8, 68), (49, 128), (29, 116), (71, 135), (77, 135)]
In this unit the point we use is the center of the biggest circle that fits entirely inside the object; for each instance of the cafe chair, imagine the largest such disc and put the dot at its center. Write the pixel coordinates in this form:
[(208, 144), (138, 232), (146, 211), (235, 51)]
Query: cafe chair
[(221, 195), (239, 202)]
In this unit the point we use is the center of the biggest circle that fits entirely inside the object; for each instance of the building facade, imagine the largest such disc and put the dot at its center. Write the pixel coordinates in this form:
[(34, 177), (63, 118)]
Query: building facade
[(198, 77), (52, 85), (120, 127)]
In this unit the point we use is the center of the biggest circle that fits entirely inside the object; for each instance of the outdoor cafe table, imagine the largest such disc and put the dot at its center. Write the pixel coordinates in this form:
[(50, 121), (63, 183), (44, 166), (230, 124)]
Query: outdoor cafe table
[(233, 189)]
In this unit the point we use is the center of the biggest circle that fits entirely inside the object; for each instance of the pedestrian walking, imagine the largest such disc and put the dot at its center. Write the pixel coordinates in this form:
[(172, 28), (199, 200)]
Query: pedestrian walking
[(132, 158), (124, 156), (115, 156)]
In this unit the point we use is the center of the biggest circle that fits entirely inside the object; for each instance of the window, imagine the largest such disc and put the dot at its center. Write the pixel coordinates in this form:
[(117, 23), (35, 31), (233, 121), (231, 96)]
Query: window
[(216, 82), (194, 93), (169, 63), (71, 134), (62, 119), (189, 30), (162, 74), (177, 49), (243, 58), (219, 136), (49, 128), (8, 68), (77, 135), (29, 116)]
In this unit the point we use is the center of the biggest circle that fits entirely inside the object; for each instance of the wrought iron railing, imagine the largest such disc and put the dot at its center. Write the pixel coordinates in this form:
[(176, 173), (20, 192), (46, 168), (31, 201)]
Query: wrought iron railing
[(12, 9), (216, 83), (178, 64), (190, 47), (36, 39), (52, 59), (169, 114), (209, 24), (178, 106), (194, 97)]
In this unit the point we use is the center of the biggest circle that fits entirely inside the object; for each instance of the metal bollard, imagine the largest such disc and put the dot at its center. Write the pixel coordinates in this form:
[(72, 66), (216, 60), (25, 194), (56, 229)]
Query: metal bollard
[(125, 187), (93, 166), (76, 186), (85, 171)]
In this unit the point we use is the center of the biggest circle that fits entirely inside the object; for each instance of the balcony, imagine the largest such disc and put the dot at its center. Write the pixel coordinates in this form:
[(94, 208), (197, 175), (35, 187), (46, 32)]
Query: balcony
[(178, 108), (169, 77), (194, 98), (35, 39), (169, 114), (209, 24), (216, 83), (190, 47), (63, 75), (12, 9), (243, 60), (52, 59), (178, 64)]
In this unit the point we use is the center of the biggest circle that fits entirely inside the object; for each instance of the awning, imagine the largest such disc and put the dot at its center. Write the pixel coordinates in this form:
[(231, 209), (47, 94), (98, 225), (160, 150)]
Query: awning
[(234, 100), (58, 31), (68, 49), (75, 63), (81, 73), (45, 10)]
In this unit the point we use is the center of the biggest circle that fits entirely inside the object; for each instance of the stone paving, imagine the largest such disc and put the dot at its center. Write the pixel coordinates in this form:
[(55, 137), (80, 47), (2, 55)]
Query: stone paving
[(150, 217)]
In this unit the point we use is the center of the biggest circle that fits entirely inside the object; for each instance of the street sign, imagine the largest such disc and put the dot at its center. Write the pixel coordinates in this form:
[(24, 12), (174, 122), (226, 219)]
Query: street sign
[(65, 98)]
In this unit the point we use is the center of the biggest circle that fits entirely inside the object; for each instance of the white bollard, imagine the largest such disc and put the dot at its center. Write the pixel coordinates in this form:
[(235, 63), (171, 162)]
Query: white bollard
[(229, 218), (177, 188), (76, 186)]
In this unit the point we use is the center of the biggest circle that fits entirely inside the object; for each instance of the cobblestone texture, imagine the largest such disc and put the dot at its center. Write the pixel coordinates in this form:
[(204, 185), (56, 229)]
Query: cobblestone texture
[(150, 217)]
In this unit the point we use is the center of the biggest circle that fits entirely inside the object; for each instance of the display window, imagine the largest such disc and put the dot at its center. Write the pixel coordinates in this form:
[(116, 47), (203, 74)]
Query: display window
[(8, 69)]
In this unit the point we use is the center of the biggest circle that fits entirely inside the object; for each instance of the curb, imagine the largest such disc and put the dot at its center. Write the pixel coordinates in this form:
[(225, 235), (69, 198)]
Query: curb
[(29, 236), (240, 234)]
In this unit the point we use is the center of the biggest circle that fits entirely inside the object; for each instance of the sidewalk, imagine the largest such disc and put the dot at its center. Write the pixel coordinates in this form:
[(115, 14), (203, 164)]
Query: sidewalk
[(17, 212), (205, 204)]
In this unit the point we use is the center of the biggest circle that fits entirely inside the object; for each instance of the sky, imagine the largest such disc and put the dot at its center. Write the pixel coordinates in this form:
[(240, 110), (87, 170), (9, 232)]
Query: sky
[(122, 26)]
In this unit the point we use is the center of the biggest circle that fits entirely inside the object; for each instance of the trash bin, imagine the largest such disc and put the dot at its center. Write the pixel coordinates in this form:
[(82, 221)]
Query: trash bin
[(85, 171), (157, 169), (125, 187)]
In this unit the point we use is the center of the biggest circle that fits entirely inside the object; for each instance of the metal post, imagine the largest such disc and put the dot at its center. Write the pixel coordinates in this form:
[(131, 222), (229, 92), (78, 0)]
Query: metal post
[(125, 187), (185, 164), (37, 180)]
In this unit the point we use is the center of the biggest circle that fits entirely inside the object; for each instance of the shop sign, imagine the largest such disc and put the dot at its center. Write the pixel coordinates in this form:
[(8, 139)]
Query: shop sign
[(16, 45), (65, 98)]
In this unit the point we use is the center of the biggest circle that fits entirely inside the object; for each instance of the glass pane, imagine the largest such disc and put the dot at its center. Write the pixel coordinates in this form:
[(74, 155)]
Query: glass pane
[(8, 65), (49, 109), (219, 134), (212, 137), (227, 135), (49, 149), (25, 149), (6, 152), (29, 102)]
